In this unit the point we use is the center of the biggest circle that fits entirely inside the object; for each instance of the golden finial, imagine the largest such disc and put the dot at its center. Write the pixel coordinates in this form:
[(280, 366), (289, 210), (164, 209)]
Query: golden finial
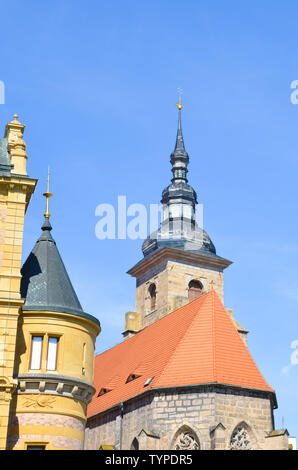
[(48, 195), (15, 116), (179, 104)]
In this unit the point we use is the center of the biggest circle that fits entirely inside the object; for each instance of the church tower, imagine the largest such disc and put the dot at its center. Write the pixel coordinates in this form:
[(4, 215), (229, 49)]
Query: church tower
[(180, 261), (54, 354)]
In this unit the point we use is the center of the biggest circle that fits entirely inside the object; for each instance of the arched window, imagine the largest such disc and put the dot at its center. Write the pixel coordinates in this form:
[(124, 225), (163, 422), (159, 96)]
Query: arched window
[(195, 290), (240, 439), (134, 444), (152, 293), (186, 439)]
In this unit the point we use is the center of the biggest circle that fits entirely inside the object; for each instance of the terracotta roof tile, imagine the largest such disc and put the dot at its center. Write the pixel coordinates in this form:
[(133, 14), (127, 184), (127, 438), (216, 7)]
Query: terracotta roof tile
[(196, 344)]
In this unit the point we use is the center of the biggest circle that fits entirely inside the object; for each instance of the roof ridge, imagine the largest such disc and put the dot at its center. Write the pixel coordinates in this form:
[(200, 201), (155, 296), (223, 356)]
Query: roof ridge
[(202, 300)]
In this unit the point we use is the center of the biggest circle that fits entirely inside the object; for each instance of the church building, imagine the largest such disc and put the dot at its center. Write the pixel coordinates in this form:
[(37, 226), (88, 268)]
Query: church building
[(182, 378)]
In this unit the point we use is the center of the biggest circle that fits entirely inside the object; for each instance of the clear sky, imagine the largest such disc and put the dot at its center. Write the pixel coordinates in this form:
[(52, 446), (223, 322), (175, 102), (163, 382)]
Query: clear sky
[(96, 85)]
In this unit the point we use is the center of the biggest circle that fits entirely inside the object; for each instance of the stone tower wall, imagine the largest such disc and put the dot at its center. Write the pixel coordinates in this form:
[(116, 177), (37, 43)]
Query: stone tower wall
[(171, 278)]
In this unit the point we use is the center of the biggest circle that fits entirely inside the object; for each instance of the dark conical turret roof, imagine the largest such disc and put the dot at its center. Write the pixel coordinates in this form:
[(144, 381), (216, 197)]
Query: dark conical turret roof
[(45, 284)]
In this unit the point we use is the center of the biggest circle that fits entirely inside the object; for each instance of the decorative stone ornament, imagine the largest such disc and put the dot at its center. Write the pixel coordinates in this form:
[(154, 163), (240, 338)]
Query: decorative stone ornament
[(16, 145), (187, 441)]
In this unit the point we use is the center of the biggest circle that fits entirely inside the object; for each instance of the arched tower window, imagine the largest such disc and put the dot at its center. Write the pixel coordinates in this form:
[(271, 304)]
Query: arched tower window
[(240, 439), (186, 439), (152, 293), (134, 444), (195, 290)]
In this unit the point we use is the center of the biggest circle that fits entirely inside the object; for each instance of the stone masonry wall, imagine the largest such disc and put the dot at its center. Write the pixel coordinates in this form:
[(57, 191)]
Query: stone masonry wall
[(156, 419)]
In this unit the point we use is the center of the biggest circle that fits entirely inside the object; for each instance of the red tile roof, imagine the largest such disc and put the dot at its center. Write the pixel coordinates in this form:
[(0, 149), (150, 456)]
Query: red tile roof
[(196, 344)]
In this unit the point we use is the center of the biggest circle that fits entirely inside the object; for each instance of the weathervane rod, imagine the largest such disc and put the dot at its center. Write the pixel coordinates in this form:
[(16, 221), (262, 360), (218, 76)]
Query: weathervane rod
[(47, 196), (179, 104)]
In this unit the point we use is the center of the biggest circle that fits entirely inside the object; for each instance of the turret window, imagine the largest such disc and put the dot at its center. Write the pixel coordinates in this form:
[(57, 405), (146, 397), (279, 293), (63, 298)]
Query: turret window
[(44, 351), (52, 353), (195, 290), (36, 350)]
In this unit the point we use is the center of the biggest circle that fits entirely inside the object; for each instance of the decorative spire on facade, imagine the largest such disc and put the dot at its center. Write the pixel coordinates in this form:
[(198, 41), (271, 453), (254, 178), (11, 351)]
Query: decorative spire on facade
[(16, 146)]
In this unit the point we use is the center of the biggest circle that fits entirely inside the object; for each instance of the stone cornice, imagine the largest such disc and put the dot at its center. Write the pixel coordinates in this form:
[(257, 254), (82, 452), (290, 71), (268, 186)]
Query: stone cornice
[(57, 385), (180, 255), (28, 184), (211, 387), (18, 180), (13, 302)]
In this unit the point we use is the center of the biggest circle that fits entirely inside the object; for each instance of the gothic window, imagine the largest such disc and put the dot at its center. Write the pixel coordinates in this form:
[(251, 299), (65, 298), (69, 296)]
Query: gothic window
[(186, 440), (240, 438), (134, 444), (152, 293), (195, 290)]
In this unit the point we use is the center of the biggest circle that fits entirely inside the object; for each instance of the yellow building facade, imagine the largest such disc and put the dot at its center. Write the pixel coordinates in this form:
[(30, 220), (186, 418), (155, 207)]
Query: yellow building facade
[(46, 339)]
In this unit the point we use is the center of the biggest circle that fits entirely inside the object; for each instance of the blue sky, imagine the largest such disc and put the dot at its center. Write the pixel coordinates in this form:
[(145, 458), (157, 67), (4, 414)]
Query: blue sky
[(96, 85)]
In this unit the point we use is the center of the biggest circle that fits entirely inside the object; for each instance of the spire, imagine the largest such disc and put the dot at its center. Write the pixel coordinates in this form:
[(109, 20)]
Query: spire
[(179, 139), (179, 228), (179, 157)]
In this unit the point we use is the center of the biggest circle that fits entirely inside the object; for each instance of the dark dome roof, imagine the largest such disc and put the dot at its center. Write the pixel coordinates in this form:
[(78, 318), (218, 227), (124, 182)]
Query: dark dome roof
[(200, 242)]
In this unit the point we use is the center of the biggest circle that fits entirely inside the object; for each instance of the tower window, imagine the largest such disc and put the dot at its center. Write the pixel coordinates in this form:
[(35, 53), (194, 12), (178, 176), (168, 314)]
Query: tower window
[(36, 349), (152, 293), (195, 290), (52, 353)]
